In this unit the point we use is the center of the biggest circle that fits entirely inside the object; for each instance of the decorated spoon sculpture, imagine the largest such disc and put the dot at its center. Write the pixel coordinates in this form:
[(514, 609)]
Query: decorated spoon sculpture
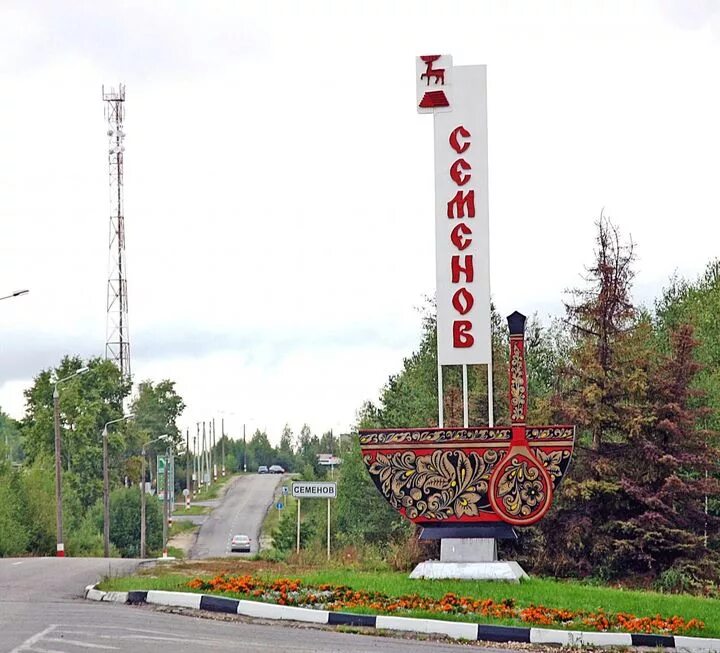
[(519, 489)]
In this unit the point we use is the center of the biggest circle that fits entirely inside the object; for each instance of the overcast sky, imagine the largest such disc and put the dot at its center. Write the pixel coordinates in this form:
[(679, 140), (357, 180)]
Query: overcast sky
[(279, 182)]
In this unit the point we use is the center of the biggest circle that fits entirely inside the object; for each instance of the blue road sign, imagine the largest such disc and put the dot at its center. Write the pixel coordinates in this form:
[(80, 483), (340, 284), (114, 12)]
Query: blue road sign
[(279, 505)]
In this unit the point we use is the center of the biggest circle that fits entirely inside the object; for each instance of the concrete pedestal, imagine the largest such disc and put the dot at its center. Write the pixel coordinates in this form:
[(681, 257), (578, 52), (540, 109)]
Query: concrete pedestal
[(469, 559), (472, 549), (510, 572)]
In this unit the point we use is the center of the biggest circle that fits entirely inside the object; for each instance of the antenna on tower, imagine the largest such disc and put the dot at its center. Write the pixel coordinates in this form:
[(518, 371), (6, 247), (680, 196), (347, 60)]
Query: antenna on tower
[(117, 344)]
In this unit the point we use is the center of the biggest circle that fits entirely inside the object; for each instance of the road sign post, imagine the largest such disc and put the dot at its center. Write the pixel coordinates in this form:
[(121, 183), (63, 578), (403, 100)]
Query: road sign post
[(314, 490)]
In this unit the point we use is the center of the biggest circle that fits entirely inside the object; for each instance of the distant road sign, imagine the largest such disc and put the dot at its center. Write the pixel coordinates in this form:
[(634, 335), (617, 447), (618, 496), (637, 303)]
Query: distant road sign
[(186, 492), (279, 505), (285, 489), (314, 490)]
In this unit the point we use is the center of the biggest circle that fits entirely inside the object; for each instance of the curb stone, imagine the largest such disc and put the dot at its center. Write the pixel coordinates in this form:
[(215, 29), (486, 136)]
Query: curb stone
[(453, 629)]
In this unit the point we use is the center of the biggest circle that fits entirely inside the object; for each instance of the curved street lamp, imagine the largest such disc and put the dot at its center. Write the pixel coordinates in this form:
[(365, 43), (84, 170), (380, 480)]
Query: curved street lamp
[(106, 485), (17, 293), (60, 546), (142, 494)]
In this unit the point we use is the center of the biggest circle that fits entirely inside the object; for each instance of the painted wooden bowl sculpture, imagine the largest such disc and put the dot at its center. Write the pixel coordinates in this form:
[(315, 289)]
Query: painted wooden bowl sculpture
[(478, 475)]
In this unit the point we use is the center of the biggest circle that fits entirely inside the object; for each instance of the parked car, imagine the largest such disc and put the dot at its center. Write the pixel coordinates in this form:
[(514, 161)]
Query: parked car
[(276, 469), (262, 469), (240, 543)]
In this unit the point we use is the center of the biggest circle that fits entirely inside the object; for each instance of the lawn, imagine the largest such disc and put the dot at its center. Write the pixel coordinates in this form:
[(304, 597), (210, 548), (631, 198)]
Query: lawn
[(213, 491), (549, 593), (193, 510)]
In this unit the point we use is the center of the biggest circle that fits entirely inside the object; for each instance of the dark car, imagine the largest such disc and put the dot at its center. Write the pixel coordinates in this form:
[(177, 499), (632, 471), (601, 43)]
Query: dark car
[(262, 469), (240, 543), (276, 469)]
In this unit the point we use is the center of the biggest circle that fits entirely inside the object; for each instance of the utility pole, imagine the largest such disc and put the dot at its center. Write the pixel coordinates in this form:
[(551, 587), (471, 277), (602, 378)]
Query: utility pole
[(187, 466), (60, 546), (214, 447), (106, 496), (222, 441), (205, 474), (106, 484), (196, 460), (244, 451), (142, 504), (165, 503)]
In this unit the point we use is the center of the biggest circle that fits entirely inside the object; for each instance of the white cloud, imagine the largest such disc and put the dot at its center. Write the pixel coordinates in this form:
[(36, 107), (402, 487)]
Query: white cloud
[(279, 185)]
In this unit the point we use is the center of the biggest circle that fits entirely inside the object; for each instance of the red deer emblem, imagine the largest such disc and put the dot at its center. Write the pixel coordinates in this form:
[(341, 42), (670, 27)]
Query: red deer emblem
[(437, 73)]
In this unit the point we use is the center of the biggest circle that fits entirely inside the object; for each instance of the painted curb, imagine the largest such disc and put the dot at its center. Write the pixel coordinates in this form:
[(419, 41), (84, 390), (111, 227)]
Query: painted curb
[(454, 629)]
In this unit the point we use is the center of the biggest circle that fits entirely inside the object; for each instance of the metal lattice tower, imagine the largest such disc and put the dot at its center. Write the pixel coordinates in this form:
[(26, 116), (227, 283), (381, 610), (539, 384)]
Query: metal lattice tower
[(117, 344)]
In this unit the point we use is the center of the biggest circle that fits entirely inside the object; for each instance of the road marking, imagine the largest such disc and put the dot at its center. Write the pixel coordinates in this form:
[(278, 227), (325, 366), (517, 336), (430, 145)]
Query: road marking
[(75, 642), (34, 639)]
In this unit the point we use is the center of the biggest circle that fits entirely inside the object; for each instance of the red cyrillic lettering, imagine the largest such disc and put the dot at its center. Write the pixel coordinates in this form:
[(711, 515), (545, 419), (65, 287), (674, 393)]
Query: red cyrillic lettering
[(455, 144), (463, 301), (467, 270), (458, 177), (456, 206), (457, 237), (462, 337)]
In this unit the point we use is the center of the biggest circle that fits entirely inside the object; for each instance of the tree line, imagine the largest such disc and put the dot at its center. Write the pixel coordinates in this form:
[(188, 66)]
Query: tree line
[(642, 384), (87, 402)]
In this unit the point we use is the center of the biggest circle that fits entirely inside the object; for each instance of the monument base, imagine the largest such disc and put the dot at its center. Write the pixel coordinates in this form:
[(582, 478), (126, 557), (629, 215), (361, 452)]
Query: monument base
[(510, 572), (470, 549)]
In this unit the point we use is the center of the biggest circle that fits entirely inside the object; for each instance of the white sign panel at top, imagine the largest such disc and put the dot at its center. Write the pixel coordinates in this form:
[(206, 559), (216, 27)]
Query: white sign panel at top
[(314, 490), (462, 223), (433, 83)]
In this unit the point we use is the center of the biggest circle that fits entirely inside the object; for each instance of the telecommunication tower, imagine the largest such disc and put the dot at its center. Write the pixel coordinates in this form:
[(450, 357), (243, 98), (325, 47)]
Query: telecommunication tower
[(117, 344)]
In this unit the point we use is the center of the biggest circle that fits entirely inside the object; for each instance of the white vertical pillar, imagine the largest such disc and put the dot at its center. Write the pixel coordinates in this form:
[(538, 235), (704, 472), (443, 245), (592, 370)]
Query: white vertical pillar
[(465, 396), (441, 416)]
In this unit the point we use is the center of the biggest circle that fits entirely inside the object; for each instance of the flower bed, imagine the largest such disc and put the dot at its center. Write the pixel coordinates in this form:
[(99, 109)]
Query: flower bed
[(284, 591)]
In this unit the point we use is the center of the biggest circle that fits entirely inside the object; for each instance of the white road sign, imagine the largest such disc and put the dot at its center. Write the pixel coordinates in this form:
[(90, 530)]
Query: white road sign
[(314, 490)]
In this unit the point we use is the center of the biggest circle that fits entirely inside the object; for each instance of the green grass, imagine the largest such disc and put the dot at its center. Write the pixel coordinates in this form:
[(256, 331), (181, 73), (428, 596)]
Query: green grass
[(213, 491), (193, 510), (272, 518), (546, 592), (181, 526)]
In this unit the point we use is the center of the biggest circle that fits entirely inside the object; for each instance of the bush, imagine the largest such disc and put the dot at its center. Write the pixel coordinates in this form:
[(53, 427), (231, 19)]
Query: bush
[(14, 535), (285, 535), (125, 522)]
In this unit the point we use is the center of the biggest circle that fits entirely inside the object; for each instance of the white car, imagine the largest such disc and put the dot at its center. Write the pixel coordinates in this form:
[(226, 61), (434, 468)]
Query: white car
[(240, 543), (276, 469)]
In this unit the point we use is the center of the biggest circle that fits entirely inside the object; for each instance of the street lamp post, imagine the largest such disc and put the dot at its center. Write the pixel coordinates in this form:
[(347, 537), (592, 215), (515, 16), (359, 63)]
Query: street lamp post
[(106, 486), (17, 293), (165, 503), (60, 546), (142, 496), (244, 451), (222, 441)]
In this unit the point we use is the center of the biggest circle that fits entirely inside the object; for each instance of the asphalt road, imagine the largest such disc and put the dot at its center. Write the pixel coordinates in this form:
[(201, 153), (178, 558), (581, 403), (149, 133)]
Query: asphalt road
[(41, 610), (241, 510)]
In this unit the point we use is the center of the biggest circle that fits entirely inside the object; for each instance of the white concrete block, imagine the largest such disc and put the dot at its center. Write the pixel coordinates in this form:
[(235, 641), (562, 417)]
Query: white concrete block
[(289, 612), (455, 629), (94, 595), (116, 597), (178, 599), (578, 638), (696, 644)]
